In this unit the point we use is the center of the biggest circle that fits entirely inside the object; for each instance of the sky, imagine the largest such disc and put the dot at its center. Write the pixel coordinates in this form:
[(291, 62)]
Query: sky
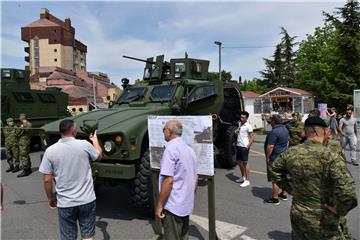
[(143, 29)]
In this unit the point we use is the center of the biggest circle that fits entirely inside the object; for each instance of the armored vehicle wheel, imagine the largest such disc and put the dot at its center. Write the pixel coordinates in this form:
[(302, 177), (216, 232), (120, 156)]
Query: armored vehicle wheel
[(227, 158), (142, 186)]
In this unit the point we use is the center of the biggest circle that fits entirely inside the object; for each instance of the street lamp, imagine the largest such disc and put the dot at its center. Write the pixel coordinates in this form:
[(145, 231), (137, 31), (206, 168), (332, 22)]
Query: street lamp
[(219, 44)]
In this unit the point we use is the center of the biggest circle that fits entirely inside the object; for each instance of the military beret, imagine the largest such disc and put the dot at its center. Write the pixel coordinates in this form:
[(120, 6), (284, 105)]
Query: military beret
[(315, 121), (22, 115), (9, 120)]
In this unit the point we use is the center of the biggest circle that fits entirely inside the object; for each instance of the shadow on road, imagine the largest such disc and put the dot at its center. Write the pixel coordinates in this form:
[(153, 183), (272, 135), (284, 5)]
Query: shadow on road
[(261, 192), (194, 232), (278, 235), (232, 177)]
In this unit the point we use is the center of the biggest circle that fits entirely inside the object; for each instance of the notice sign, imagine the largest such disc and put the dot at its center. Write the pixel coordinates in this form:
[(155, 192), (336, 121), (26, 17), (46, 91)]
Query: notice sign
[(197, 133)]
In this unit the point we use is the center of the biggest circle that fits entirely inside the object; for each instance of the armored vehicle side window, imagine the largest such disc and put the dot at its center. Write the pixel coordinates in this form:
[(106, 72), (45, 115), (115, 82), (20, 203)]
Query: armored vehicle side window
[(131, 94), (6, 73), (20, 74), (179, 70), (162, 93), (201, 92), (23, 96), (47, 98)]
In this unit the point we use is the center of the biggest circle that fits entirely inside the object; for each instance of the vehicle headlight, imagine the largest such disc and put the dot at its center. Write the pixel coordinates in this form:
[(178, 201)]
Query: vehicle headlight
[(109, 146)]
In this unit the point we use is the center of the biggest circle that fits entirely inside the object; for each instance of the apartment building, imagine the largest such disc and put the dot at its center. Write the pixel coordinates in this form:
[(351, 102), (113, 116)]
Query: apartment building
[(52, 43)]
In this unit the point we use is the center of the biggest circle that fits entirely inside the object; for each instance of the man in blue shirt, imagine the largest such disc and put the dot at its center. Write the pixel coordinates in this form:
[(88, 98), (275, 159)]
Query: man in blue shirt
[(276, 143)]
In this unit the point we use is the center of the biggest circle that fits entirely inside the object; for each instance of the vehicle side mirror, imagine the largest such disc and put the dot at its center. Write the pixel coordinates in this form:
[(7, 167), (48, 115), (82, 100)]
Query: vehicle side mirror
[(111, 103)]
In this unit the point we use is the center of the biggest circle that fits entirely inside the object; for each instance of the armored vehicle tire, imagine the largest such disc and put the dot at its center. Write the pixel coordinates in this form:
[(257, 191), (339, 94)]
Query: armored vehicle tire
[(227, 158), (142, 186)]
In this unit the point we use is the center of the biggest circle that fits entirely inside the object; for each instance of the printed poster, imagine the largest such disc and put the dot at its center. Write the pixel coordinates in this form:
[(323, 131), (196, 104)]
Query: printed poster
[(197, 133)]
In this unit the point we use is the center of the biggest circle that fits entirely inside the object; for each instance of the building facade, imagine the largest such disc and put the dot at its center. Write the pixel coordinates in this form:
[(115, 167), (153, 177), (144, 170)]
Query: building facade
[(52, 43)]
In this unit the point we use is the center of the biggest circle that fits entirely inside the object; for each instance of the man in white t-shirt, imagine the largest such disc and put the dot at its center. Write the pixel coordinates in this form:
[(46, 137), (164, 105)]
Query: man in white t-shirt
[(245, 137)]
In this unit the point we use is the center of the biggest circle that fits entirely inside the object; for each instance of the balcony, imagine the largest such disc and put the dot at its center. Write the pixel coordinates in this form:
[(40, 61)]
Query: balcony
[(27, 49), (27, 59)]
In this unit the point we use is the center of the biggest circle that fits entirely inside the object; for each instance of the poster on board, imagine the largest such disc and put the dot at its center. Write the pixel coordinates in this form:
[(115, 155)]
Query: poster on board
[(322, 108), (197, 133)]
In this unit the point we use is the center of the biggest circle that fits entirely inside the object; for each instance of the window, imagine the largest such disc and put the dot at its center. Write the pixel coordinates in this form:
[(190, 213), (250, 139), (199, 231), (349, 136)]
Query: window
[(257, 106), (197, 67), (55, 50), (20, 74), (55, 59), (179, 70), (6, 73), (131, 94), (23, 97), (201, 92), (162, 93), (47, 97), (36, 54)]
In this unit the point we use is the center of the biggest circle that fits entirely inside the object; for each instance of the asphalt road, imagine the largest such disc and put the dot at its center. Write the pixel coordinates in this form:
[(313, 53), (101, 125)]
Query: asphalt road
[(26, 215)]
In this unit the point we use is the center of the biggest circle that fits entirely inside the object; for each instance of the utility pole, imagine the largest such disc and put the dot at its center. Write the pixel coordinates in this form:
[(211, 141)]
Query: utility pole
[(94, 90), (219, 44)]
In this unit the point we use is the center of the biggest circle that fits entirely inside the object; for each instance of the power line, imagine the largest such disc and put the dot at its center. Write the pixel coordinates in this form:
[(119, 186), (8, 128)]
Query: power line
[(249, 47)]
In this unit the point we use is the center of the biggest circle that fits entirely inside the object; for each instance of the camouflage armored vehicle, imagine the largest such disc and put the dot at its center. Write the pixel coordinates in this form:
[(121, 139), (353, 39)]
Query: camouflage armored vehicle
[(178, 87), (41, 106)]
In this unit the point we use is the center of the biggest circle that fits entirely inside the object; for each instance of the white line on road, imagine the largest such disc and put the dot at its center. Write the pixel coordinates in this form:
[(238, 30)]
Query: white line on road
[(224, 231), (246, 237)]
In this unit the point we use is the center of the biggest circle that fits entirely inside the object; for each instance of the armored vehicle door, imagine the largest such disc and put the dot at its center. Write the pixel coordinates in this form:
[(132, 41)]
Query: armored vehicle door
[(204, 98)]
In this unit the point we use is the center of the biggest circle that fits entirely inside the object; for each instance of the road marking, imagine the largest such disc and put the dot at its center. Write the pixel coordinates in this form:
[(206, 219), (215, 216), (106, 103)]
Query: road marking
[(224, 230), (246, 237), (258, 153), (258, 172)]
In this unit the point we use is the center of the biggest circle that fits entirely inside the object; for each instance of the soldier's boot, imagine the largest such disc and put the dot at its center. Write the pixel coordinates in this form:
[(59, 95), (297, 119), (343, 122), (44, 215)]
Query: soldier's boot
[(10, 169), (16, 169), (25, 172)]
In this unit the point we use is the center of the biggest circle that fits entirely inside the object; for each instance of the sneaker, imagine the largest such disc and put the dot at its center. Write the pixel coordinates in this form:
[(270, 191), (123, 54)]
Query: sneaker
[(240, 180), (272, 201), (355, 163), (245, 183), (283, 197)]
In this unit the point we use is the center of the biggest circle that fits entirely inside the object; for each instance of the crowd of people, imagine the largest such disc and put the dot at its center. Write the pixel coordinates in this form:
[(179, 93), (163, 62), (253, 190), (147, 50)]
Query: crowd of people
[(300, 161)]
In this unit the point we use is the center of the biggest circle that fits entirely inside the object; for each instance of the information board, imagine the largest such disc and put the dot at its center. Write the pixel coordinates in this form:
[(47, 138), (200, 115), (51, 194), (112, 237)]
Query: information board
[(197, 133)]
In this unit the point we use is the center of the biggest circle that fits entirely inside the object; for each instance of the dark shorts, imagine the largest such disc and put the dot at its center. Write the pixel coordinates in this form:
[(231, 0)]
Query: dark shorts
[(242, 154), (68, 218), (268, 170)]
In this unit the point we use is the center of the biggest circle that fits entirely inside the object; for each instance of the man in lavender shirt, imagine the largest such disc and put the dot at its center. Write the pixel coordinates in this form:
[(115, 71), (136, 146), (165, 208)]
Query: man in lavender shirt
[(178, 180)]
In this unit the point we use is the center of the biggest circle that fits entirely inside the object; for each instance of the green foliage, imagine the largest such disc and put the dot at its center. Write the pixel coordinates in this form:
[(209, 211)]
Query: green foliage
[(224, 75), (329, 60), (281, 70), (255, 85)]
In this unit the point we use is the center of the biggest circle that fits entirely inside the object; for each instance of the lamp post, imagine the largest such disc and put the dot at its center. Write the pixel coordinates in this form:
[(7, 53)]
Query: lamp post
[(219, 44)]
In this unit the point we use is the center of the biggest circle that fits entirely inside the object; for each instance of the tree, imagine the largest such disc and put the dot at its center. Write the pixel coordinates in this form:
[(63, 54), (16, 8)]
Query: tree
[(329, 60), (281, 70), (225, 76), (254, 85)]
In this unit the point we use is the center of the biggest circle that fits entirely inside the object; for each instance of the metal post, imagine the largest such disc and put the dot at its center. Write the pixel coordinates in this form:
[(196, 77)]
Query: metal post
[(219, 44), (94, 90), (155, 188), (211, 208)]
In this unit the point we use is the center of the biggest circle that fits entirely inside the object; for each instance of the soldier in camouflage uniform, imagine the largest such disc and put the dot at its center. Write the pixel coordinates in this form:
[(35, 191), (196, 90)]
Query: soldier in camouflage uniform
[(296, 129), (11, 146), (323, 189), (24, 146)]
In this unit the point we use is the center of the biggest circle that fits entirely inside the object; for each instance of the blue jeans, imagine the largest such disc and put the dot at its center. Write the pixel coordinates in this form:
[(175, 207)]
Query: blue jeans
[(68, 217)]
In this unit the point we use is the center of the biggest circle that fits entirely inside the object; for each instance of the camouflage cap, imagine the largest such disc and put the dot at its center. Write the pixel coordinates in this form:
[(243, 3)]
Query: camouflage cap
[(9, 120), (315, 121), (22, 115), (295, 114)]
